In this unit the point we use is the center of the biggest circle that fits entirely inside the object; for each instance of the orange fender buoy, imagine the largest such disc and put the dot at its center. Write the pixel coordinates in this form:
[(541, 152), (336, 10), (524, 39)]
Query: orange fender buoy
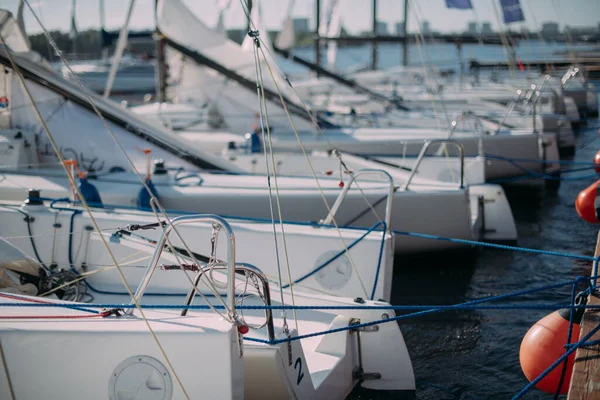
[(597, 162), (586, 203), (544, 344)]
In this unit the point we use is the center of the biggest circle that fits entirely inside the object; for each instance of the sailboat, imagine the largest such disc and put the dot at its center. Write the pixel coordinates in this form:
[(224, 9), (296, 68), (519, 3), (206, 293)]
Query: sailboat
[(344, 262), (143, 353), (323, 351), (135, 74), (219, 75), (547, 109), (185, 173)]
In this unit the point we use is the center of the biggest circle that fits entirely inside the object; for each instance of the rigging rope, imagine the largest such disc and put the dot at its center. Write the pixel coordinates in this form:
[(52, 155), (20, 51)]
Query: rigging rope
[(295, 130), (264, 120), (426, 64), (6, 372), (86, 93), (72, 182)]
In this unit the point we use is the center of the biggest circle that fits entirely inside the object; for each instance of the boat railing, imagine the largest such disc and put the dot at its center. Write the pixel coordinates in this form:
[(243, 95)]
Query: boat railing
[(160, 245), (510, 107), (571, 73), (340, 199), (240, 268), (454, 125), (529, 98), (533, 96), (443, 142)]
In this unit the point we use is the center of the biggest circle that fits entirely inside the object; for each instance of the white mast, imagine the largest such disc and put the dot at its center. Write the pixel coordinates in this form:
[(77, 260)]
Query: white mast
[(121, 43)]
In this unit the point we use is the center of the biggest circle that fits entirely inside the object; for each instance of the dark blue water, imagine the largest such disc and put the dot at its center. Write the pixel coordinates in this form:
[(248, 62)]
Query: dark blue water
[(475, 354), (439, 54)]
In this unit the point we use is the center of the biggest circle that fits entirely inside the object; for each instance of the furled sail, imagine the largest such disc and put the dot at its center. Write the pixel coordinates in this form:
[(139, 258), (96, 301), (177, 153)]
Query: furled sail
[(21, 21), (220, 27), (80, 133), (190, 82), (287, 36), (12, 33), (331, 27)]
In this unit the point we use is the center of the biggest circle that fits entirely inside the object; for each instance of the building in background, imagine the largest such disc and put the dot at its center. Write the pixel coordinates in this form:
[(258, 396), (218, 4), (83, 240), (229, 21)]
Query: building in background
[(550, 30), (486, 28), (399, 28), (301, 25), (237, 35), (382, 28), (472, 28), (426, 27)]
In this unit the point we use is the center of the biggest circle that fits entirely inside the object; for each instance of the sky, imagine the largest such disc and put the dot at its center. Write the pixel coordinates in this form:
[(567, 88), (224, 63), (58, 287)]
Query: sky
[(356, 14)]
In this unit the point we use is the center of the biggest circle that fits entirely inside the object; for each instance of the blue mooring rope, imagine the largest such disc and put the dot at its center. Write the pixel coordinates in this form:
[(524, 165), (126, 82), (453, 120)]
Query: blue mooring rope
[(424, 310)]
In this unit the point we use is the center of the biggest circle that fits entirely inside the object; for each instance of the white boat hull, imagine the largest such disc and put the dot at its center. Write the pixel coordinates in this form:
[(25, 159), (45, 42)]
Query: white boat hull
[(315, 254), (441, 212)]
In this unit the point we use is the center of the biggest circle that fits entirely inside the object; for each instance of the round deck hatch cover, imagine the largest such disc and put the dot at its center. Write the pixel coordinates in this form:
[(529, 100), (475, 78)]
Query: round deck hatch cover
[(337, 273), (140, 378)]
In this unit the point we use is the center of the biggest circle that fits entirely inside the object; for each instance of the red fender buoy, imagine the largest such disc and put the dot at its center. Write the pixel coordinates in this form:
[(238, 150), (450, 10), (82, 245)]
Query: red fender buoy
[(543, 344), (586, 203), (597, 162)]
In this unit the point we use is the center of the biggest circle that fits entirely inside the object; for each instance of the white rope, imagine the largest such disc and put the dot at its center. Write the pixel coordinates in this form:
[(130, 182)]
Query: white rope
[(263, 104), (84, 203), (503, 39), (426, 63), (295, 130), (102, 268), (85, 91), (567, 31), (6, 373)]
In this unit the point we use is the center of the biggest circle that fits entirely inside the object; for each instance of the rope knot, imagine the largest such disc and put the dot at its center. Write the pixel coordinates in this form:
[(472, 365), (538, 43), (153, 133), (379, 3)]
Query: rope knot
[(117, 312), (255, 37)]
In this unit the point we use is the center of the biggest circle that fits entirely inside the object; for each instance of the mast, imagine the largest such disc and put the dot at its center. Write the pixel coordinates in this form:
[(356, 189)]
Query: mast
[(73, 31), (105, 41), (122, 118), (317, 27), (404, 32), (249, 17), (21, 22), (339, 79), (160, 76), (249, 84), (102, 15), (161, 72), (374, 45), (121, 43)]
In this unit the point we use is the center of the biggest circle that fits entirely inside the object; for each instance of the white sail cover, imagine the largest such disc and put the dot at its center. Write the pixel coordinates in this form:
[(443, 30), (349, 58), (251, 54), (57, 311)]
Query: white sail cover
[(12, 33), (258, 24), (190, 82), (287, 37), (220, 27), (81, 134), (21, 21), (331, 26)]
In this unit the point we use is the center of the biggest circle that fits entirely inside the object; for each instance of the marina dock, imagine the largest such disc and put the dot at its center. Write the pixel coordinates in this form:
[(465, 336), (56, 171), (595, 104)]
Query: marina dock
[(585, 382)]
